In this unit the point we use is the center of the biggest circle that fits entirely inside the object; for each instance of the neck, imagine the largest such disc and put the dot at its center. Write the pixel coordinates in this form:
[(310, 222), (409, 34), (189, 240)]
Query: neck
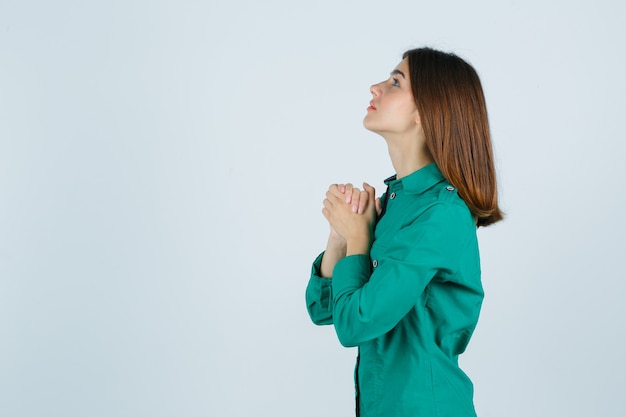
[(408, 156)]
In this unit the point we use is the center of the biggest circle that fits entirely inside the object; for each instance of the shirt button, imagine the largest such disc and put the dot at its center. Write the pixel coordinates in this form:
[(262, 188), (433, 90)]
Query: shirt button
[(374, 263), (450, 188), (392, 196)]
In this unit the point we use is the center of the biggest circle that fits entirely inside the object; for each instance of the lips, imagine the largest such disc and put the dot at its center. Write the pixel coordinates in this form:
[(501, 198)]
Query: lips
[(371, 107)]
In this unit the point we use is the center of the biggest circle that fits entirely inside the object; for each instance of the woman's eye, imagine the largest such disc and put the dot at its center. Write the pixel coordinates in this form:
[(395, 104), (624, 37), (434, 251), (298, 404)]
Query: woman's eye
[(396, 83)]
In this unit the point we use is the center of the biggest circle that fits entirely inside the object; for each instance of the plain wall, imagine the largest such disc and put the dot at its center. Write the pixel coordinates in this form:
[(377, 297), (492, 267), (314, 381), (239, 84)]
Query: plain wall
[(162, 170)]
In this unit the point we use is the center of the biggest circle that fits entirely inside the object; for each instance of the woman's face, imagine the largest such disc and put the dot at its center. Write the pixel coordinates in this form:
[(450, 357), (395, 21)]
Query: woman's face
[(392, 109)]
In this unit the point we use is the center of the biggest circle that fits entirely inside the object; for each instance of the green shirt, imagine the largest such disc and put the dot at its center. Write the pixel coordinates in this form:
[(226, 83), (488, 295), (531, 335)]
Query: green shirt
[(411, 306)]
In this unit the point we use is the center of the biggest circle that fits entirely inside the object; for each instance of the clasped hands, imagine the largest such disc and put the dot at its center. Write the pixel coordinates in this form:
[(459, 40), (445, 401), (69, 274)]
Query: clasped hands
[(351, 213)]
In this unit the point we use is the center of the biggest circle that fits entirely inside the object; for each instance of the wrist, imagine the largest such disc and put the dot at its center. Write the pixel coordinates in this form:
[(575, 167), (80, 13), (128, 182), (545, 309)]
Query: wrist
[(336, 242), (358, 245), (335, 251)]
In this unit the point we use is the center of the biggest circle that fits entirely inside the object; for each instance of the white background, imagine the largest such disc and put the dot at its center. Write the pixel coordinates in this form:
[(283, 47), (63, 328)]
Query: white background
[(162, 170)]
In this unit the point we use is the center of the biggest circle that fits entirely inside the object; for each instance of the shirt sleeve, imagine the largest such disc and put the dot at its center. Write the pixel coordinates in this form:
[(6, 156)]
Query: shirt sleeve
[(368, 301), (319, 301)]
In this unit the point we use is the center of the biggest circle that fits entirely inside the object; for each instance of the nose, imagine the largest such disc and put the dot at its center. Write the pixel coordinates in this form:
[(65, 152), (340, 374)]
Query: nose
[(375, 90)]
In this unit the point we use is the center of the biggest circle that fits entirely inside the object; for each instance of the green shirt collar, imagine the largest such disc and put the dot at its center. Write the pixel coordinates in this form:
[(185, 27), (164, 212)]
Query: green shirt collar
[(417, 182)]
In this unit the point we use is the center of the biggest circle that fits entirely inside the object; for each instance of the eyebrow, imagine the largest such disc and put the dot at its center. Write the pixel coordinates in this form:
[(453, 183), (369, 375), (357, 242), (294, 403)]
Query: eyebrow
[(396, 71)]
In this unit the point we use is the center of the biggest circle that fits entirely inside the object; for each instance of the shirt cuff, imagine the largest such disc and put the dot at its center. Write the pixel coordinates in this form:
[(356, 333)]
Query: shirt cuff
[(316, 268), (319, 295), (350, 274)]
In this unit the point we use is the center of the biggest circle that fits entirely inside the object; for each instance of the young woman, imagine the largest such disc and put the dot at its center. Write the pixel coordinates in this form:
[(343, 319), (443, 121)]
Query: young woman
[(400, 276)]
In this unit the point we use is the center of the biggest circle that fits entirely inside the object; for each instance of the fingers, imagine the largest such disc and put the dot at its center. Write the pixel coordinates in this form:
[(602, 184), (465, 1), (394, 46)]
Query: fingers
[(371, 196), (328, 203), (331, 199), (359, 200), (370, 190), (343, 191), (335, 198), (379, 207), (363, 200), (347, 192), (334, 189), (325, 211), (356, 197)]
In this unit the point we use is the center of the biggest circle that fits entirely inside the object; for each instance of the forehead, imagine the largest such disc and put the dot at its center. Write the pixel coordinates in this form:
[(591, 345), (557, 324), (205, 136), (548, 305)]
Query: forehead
[(403, 66)]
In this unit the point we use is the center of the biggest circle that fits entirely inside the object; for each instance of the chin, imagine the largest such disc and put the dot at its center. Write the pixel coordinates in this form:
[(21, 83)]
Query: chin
[(370, 127)]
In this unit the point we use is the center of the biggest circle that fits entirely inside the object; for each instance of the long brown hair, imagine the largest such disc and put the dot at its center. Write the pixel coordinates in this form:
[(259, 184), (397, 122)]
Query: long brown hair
[(453, 114)]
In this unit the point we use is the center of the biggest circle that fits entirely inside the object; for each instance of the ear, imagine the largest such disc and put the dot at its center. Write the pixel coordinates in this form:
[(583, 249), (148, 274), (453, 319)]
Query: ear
[(417, 119)]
